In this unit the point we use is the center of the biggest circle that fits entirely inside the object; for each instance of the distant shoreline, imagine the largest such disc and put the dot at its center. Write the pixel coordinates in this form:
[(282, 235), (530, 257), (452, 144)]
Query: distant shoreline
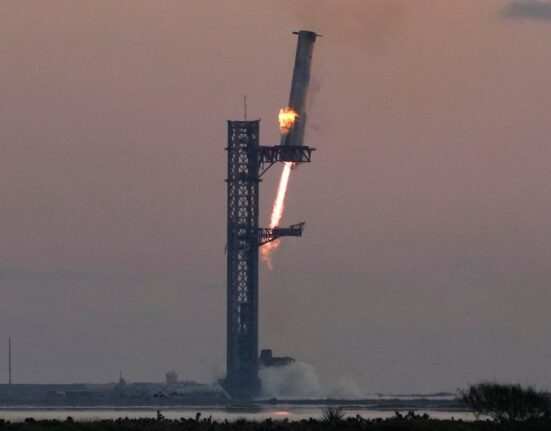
[(374, 404)]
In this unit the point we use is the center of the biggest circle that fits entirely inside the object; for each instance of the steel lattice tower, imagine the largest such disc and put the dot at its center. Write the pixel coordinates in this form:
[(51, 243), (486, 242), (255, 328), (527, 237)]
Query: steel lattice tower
[(247, 161), (242, 253)]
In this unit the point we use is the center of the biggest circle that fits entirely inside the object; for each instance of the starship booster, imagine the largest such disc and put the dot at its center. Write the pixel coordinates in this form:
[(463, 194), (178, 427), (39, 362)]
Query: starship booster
[(299, 87)]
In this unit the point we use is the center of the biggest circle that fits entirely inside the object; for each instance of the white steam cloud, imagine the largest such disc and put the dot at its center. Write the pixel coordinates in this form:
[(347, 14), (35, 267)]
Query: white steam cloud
[(300, 381)]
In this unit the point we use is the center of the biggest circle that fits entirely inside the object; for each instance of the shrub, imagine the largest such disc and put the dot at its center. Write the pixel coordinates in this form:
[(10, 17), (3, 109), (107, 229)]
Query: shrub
[(507, 403), (332, 414)]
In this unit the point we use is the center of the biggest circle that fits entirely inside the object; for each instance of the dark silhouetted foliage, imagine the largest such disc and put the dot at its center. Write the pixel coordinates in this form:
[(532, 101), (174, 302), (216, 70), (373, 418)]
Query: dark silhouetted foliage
[(507, 403), (332, 414), (400, 422)]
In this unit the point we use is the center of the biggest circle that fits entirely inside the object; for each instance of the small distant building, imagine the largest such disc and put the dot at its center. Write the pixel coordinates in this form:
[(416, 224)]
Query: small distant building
[(268, 360), (171, 378)]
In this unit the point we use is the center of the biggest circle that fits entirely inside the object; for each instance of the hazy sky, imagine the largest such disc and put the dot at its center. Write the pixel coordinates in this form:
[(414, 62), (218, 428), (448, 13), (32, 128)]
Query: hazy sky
[(425, 263)]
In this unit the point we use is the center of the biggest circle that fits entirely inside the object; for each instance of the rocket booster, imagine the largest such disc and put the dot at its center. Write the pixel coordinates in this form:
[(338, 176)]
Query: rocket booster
[(299, 87)]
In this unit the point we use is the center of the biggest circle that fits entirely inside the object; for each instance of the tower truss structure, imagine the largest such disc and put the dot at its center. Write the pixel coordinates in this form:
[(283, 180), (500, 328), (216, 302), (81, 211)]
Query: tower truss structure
[(247, 162)]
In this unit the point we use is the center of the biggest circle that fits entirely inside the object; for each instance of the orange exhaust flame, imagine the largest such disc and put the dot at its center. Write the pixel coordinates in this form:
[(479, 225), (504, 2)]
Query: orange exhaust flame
[(279, 202), (277, 213), (287, 118)]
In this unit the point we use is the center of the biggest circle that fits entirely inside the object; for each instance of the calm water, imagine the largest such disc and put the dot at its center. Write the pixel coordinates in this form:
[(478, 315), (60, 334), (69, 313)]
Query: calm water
[(293, 412)]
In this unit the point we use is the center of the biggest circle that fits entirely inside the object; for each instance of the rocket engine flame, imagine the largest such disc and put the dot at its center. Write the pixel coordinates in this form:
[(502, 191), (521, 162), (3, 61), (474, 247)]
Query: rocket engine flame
[(287, 118), (279, 202), (277, 213)]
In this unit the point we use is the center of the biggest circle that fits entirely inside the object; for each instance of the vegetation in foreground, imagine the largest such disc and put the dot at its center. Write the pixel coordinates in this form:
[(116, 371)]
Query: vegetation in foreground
[(335, 420), (507, 403), (507, 407)]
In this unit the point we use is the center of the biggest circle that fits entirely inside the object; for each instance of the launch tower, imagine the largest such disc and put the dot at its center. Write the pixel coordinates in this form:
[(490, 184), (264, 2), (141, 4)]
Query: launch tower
[(247, 162)]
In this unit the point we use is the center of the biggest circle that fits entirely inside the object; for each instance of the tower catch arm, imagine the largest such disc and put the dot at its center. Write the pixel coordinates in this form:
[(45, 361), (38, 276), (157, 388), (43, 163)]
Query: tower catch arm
[(266, 235)]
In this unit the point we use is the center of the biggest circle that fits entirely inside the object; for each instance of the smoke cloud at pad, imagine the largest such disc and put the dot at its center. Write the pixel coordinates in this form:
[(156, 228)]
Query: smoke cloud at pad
[(299, 380)]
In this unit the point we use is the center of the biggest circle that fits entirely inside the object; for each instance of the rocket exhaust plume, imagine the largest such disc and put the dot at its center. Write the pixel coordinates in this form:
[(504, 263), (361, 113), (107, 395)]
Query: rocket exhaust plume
[(277, 213), (279, 202), (286, 119)]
